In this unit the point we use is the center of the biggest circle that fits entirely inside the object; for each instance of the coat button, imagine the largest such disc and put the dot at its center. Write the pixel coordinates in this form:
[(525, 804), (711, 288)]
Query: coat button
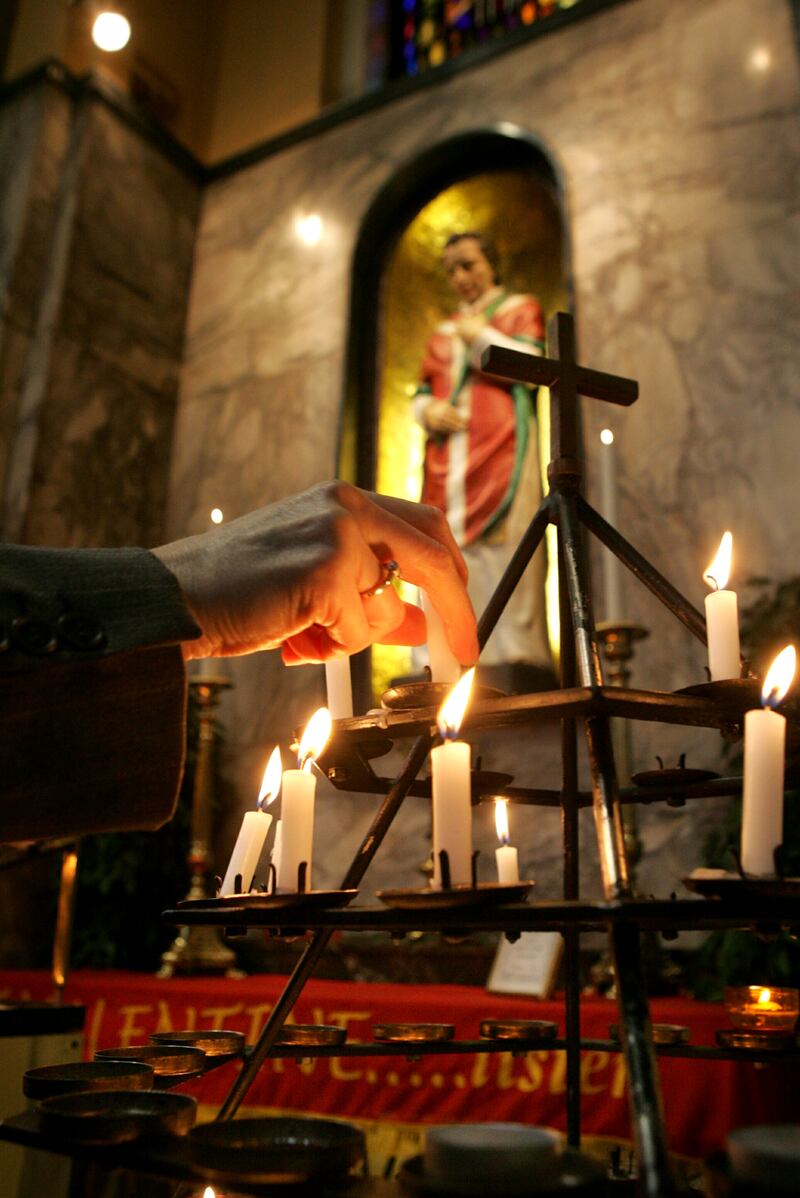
[(31, 636), (80, 632)]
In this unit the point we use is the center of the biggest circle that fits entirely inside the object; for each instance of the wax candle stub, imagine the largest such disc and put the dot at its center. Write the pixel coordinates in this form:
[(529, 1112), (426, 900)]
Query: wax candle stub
[(612, 566), (253, 832), (452, 791), (297, 807), (762, 793), (722, 616), (506, 856), (339, 688), (444, 665)]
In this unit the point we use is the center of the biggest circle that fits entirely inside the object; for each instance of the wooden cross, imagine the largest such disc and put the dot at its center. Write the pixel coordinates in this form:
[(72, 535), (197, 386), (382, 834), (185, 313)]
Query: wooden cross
[(566, 380)]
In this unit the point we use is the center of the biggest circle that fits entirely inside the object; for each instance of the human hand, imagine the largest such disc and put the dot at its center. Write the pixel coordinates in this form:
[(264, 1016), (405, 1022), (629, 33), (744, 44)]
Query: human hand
[(442, 417), (468, 328), (293, 575)]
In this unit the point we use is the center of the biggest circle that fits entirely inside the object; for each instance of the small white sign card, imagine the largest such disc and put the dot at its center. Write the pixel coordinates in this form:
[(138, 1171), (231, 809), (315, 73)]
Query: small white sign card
[(528, 966)]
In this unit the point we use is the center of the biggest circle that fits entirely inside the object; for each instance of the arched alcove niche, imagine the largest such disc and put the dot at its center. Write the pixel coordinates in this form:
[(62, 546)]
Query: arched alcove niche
[(498, 181)]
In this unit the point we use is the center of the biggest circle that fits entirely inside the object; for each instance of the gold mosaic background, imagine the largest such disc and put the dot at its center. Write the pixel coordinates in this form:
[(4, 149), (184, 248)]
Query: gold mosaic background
[(518, 211)]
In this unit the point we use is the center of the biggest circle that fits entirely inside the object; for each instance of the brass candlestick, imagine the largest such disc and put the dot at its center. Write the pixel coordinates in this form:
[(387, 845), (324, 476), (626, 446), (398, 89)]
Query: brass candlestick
[(200, 948), (618, 638)]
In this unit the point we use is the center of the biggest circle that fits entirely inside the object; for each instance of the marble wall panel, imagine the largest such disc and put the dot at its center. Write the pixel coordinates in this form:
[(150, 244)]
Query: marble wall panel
[(673, 126), (107, 405), (34, 138)]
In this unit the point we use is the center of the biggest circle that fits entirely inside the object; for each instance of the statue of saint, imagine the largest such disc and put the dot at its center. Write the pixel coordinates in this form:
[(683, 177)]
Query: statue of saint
[(481, 456)]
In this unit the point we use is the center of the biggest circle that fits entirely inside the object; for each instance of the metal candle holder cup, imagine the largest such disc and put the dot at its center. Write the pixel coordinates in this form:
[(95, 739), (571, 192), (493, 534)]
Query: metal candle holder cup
[(444, 869)]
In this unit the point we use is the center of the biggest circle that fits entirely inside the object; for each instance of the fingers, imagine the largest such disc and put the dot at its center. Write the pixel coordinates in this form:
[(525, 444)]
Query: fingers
[(420, 540)]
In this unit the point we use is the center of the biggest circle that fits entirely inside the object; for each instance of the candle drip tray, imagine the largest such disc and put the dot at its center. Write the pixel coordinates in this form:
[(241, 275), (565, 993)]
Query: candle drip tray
[(281, 1151), (518, 1029), (413, 1033), (485, 894), (411, 695), (721, 883), (260, 900), (754, 1041), (660, 1033), (311, 1034)]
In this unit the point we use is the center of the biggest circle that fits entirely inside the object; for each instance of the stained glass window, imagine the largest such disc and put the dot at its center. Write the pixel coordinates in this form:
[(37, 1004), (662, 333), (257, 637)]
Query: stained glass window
[(427, 33)]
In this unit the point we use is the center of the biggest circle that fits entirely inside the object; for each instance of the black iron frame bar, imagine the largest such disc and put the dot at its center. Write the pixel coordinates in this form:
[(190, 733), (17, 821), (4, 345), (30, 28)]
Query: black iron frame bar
[(655, 582), (571, 878)]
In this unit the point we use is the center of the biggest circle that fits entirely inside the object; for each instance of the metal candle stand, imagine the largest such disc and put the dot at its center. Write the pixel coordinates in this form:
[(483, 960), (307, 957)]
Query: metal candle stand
[(201, 949), (583, 696)]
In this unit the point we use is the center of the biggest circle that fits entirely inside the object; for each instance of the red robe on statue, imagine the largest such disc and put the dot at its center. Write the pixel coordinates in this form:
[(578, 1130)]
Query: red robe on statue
[(472, 476)]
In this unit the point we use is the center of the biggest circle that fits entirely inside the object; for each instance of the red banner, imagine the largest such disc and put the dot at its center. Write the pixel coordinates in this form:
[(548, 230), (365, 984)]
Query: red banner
[(703, 1100)]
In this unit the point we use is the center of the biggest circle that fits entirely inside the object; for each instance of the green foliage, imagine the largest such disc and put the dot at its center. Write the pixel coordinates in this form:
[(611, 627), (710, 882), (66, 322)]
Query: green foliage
[(125, 881), (768, 622)]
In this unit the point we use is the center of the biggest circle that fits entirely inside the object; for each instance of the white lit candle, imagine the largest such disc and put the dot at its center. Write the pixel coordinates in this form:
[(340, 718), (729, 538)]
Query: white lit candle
[(297, 805), (443, 662), (762, 797), (451, 789), (253, 832), (722, 616), (612, 566), (339, 688), (506, 856)]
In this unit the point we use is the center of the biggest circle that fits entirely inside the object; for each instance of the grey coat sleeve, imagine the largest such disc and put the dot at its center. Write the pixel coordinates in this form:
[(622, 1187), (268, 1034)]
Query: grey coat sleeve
[(92, 691)]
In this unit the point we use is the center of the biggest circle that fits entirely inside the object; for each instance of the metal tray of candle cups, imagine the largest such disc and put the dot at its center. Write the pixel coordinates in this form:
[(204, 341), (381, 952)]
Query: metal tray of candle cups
[(412, 1033), (279, 1151), (217, 1044), (722, 883), (311, 1033), (518, 1029), (661, 1033), (260, 900), (755, 1041), (48, 1081), (115, 1116), (171, 1063), (411, 695), (426, 898)]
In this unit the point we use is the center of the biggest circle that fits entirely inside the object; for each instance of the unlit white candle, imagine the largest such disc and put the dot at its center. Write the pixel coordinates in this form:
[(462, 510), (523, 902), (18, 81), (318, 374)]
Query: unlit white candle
[(444, 665), (297, 828), (762, 800), (246, 851), (722, 630), (275, 859), (452, 811), (339, 687), (612, 566)]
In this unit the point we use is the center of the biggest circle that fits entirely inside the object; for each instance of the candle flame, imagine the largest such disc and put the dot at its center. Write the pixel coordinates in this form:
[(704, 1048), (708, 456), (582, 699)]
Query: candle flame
[(216, 515), (764, 997), (607, 437), (501, 820), (209, 1192), (719, 571), (314, 738), (779, 677), (451, 713), (271, 782)]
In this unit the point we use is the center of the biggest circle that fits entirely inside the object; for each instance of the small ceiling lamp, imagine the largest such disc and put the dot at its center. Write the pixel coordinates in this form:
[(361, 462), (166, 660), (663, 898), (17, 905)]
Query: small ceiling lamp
[(111, 30), (309, 228)]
